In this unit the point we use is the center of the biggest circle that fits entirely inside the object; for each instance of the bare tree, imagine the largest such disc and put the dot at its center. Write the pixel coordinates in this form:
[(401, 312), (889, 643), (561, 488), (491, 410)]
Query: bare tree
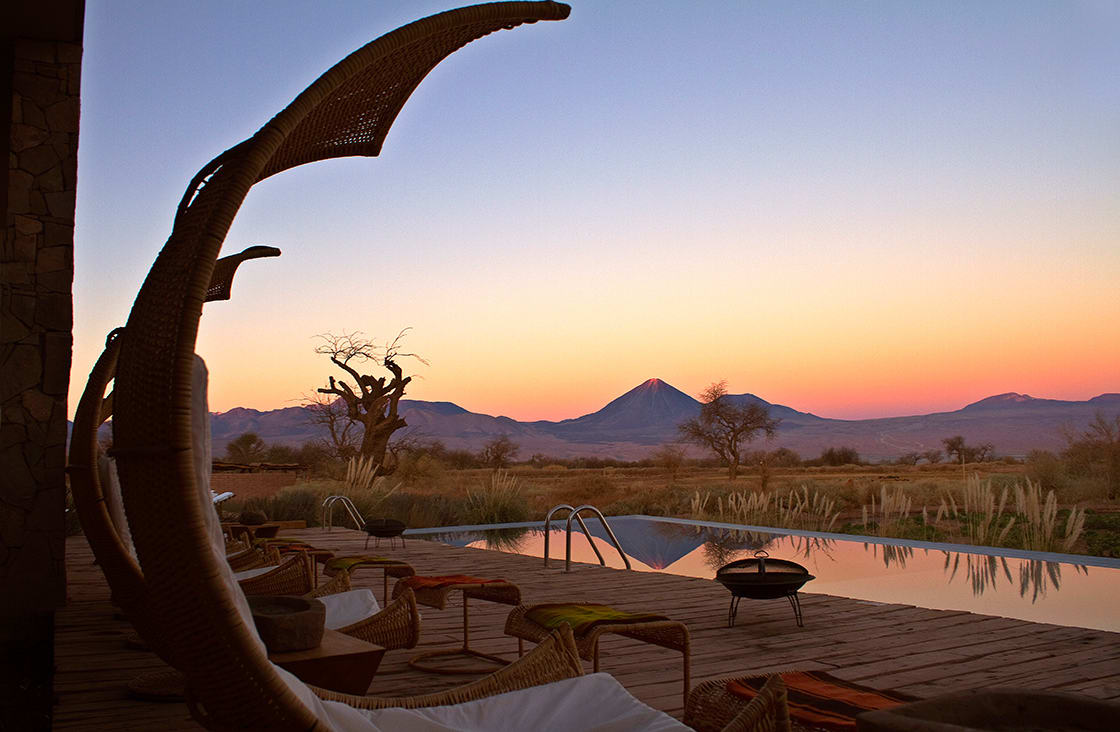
[(724, 428), (498, 452), (246, 449), (962, 452), (370, 401), (932, 456), (342, 430), (671, 458), (1096, 451)]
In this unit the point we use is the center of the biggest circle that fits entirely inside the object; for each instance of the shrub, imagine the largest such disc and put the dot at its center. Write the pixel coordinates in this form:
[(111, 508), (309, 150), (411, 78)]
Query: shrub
[(497, 502)]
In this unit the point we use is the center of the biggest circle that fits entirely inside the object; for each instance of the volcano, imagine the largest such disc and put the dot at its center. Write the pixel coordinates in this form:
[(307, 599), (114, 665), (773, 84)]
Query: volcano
[(640, 415)]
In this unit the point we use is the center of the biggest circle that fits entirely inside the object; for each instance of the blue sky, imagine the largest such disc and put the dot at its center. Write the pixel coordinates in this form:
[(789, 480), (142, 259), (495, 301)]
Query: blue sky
[(855, 209)]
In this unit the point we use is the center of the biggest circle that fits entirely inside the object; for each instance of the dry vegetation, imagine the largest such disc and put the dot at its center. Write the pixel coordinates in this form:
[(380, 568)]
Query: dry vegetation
[(999, 504)]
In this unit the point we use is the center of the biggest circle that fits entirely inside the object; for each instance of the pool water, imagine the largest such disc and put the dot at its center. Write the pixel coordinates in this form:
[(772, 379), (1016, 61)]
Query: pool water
[(1048, 588)]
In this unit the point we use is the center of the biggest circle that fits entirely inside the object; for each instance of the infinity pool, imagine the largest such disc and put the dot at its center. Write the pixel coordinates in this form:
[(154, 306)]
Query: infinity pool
[(1062, 589)]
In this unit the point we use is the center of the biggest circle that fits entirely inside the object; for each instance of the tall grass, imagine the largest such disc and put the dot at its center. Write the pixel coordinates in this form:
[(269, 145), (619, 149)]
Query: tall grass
[(796, 510), (980, 513), (1039, 520), (497, 501), (891, 514), (983, 517)]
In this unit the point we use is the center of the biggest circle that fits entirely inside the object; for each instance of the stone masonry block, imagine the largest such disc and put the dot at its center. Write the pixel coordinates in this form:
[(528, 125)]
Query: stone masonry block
[(52, 180), (53, 259), (58, 235), (23, 307), (31, 114), (57, 282), (60, 203), (63, 116), (38, 404), (18, 477), (27, 225), (57, 350), (26, 136), (11, 433), (69, 54), (42, 51), (11, 328), (40, 88), (36, 205), (23, 248), (55, 311), (38, 159), (22, 370), (19, 189)]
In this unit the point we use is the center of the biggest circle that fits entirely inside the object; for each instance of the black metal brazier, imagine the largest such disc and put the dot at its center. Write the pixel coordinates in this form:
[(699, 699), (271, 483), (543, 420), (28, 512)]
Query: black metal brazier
[(384, 528), (762, 578)]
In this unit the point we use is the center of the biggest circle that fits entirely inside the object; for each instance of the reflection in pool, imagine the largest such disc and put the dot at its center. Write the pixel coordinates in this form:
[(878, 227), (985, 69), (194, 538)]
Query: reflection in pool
[(1038, 587)]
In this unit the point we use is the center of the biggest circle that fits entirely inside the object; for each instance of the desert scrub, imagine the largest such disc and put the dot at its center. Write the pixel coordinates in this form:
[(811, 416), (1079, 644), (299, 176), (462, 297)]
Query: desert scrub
[(419, 511), (652, 501), (497, 501), (1102, 533), (290, 504)]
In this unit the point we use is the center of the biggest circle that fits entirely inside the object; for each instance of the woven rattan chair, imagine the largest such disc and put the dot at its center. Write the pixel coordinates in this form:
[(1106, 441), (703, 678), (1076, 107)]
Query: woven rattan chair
[(176, 594), (669, 634), (712, 708)]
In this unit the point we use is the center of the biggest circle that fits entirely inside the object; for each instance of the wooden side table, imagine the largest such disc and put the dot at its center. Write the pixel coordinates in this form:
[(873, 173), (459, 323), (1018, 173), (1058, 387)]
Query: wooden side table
[(340, 663), (389, 568), (436, 596)]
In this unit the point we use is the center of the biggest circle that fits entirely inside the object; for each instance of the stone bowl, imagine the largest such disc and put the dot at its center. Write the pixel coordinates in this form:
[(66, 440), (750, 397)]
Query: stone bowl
[(288, 623)]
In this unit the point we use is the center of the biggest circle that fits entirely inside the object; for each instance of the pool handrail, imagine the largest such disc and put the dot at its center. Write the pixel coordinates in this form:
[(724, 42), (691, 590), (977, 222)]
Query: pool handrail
[(574, 513), (583, 526), (328, 511)]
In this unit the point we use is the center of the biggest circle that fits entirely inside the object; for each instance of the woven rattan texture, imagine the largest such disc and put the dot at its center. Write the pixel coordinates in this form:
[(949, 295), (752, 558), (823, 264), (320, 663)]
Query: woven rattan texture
[(711, 708), (200, 630)]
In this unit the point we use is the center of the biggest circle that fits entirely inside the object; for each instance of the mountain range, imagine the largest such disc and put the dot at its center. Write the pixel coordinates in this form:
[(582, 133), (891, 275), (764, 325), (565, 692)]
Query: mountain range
[(638, 422)]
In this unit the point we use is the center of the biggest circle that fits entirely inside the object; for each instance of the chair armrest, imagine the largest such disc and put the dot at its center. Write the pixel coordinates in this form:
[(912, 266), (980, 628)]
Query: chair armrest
[(397, 626)]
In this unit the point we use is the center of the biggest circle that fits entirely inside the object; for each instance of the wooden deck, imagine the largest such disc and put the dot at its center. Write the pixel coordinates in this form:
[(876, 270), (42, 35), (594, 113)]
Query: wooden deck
[(923, 652)]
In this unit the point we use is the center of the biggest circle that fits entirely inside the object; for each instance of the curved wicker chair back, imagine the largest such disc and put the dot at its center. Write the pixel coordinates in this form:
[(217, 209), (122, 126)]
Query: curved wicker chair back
[(347, 111)]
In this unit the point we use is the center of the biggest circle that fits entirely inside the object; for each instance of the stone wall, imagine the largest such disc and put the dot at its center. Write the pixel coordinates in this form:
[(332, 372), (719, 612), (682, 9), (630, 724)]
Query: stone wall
[(36, 318)]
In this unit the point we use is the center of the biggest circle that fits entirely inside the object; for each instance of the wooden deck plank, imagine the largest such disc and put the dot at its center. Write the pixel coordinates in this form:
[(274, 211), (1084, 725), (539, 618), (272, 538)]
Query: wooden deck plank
[(921, 651)]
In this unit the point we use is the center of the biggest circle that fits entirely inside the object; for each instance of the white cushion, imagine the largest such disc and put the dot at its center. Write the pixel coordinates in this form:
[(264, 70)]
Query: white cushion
[(114, 503), (596, 702), (347, 608), (245, 574)]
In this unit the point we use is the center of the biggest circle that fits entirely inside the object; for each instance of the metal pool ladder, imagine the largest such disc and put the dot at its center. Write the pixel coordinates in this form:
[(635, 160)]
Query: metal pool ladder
[(345, 502), (574, 513)]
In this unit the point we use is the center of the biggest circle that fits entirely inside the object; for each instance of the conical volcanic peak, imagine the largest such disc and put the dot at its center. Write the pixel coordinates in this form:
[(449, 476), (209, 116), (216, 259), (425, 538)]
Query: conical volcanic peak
[(650, 403)]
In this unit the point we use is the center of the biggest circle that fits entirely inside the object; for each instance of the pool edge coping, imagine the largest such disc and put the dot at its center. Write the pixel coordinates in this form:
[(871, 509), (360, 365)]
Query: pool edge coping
[(1084, 560)]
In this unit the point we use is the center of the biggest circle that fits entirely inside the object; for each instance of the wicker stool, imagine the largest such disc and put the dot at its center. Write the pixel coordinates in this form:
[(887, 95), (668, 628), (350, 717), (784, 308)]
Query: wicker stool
[(435, 595), (669, 634), (389, 567)]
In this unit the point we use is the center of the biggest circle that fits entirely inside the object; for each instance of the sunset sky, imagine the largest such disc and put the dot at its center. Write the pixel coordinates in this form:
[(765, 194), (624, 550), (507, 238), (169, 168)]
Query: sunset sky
[(854, 209)]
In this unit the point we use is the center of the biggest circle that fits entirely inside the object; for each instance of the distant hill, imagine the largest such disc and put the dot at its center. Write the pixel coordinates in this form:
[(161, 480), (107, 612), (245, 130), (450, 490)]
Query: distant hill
[(636, 423)]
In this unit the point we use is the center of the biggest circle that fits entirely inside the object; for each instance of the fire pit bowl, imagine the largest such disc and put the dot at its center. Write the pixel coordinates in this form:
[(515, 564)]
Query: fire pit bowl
[(288, 623), (384, 528), (762, 578)]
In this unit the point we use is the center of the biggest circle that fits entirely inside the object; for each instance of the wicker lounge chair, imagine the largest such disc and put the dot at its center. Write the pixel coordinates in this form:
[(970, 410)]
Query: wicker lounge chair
[(669, 634), (182, 598), (711, 708), (176, 593)]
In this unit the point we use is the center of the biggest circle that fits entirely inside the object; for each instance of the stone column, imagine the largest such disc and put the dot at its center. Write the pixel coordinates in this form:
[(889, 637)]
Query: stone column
[(36, 320)]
